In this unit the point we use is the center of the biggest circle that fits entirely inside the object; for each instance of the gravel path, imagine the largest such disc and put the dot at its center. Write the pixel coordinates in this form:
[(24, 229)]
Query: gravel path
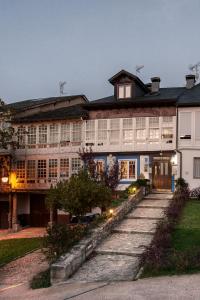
[(23, 269)]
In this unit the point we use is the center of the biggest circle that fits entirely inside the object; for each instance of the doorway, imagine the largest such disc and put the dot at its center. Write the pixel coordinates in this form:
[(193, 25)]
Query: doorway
[(162, 173)]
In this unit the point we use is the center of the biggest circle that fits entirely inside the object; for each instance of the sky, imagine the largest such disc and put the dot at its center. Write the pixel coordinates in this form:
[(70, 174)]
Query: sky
[(85, 42)]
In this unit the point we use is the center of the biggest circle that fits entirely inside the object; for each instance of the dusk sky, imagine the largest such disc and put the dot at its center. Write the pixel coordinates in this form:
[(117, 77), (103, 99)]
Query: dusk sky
[(85, 42)]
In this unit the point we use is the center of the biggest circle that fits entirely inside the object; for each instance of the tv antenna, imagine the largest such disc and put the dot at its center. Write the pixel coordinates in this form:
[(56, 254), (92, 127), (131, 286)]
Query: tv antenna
[(138, 68), (61, 87), (195, 69)]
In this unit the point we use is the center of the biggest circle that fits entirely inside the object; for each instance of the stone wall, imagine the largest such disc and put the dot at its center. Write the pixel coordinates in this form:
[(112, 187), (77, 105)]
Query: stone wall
[(70, 262)]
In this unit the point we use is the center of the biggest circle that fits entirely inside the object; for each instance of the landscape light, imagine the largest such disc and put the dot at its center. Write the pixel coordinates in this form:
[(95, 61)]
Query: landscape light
[(4, 179)]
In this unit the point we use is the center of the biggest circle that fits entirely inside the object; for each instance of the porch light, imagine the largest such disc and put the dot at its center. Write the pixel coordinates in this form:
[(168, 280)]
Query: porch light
[(111, 211), (174, 159), (4, 179)]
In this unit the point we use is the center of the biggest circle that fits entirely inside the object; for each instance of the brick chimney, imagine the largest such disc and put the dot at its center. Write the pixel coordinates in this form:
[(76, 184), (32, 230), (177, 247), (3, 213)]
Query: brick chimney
[(155, 86), (190, 81)]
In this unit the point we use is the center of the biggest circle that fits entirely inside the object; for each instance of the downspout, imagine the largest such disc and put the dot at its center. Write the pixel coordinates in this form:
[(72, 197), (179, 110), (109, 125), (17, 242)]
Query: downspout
[(178, 151)]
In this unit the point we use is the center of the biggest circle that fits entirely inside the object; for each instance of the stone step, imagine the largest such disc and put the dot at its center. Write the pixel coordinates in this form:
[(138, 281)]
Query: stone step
[(107, 268), (154, 204), (136, 226), (124, 243), (159, 196), (146, 213)]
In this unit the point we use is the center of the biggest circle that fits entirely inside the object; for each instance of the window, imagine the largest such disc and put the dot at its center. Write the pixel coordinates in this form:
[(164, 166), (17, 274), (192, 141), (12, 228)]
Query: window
[(53, 137), (76, 165), (53, 164), (114, 131), (100, 167), (65, 132), (127, 126), (64, 167), (140, 128), (128, 169), (43, 134), (167, 119), (21, 137), (167, 133), (31, 171), (42, 169), (124, 91), (31, 136), (20, 170), (196, 167), (154, 128), (76, 132), (90, 130), (102, 130), (185, 125)]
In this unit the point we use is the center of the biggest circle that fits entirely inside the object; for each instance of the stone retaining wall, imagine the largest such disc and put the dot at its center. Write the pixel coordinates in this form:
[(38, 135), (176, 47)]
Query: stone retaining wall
[(71, 262)]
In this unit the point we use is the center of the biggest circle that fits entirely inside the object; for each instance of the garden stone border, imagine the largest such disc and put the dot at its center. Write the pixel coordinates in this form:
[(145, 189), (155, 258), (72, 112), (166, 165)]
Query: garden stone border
[(69, 263)]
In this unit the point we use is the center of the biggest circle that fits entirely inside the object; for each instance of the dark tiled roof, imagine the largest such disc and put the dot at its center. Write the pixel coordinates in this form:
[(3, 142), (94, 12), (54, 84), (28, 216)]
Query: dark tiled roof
[(190, 97), (26, 104), (72, 112), (163, 97)]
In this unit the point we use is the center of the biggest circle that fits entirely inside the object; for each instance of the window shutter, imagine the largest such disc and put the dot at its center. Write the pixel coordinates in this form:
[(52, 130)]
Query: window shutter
[(197, 125), (185, 124)]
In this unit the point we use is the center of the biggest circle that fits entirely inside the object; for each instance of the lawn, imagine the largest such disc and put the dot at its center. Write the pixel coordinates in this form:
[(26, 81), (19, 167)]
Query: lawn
[(185, 246), (13, 248)]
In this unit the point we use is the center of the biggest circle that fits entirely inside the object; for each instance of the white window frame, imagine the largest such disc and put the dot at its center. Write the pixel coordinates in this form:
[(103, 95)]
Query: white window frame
[(124, 91), (195, 176), (128, 159)]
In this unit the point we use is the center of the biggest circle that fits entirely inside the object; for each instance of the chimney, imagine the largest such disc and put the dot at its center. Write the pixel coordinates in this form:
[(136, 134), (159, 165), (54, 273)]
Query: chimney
[(148, 85), (155, 86), (190, 81)]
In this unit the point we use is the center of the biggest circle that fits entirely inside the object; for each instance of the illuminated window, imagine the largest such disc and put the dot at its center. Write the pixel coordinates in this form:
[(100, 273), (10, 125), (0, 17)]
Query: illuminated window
[(42, 169), (20, 170), (128, 169), (76, 165), (31, 168), (100, 167), (64, 167), (167, 133), (124, 91)]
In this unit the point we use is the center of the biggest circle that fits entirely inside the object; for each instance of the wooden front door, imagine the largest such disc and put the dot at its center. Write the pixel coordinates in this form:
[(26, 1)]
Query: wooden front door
[(162, 174)]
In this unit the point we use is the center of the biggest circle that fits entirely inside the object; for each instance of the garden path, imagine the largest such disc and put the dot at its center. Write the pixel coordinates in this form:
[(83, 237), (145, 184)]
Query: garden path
[(117, 258)]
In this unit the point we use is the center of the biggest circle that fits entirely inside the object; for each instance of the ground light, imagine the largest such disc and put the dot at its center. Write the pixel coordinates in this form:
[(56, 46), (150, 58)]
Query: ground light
[(111, 211), (4, 179)]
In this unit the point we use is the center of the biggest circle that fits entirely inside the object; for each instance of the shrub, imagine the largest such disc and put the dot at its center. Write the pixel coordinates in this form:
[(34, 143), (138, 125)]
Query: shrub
[(195, 193), (41, 280), (59, 239)]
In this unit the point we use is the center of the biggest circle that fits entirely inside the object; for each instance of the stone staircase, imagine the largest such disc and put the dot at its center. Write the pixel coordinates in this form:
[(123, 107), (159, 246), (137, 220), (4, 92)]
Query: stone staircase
[(117, 257)]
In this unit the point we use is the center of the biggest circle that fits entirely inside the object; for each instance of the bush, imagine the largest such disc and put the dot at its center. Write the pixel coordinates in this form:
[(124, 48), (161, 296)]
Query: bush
[(41, 280), (195, 193), (60, 238)]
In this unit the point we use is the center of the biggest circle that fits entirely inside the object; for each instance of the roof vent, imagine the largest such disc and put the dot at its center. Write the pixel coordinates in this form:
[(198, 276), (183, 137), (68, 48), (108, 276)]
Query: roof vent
[(190, 81), (155, 86)]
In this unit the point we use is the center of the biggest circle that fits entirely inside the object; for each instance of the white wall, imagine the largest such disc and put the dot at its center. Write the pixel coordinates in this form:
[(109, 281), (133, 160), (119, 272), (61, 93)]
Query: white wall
[(187, 167)]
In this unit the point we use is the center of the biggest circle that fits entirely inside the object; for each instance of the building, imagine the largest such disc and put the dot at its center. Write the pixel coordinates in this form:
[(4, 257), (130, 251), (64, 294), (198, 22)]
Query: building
[(150, 131)]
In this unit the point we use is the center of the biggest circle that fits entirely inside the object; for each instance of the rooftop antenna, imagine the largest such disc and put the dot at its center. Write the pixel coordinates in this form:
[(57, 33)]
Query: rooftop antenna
[(138, 68), (61, 87), (195, 69)]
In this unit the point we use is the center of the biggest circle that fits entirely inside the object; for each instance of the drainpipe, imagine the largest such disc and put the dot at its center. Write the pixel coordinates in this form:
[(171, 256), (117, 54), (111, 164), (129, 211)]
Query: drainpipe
[(178, 151)]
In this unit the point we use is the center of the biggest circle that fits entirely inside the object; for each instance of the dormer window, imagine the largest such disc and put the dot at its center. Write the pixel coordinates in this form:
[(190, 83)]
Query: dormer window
[(124, 91)]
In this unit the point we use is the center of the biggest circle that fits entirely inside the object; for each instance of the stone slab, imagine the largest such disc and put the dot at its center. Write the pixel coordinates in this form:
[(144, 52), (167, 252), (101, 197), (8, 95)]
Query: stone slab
[(151, 213), (137, 226), (129, 244), (154, 203), (107, 268), (159, 196)]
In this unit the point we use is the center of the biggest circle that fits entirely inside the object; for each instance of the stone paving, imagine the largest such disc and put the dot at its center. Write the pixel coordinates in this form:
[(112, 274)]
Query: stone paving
[(117, 257)]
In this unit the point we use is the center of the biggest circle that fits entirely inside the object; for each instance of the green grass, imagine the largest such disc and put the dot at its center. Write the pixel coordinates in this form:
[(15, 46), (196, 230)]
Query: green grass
[(185, 244), (13, 248)]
